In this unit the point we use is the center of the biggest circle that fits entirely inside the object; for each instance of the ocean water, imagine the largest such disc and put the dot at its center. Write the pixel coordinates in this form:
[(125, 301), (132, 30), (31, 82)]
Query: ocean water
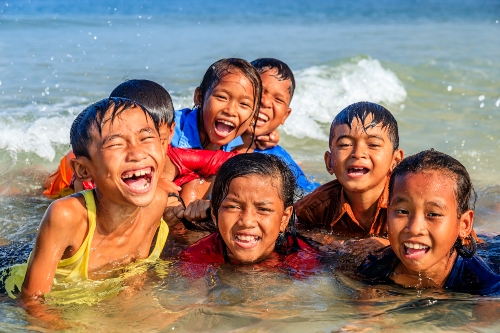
[(434, 64)]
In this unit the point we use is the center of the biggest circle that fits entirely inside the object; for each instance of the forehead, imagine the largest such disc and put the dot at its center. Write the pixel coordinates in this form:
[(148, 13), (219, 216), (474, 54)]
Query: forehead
[(426, 185), (255, 185), (359, 129), (233, 77), (131, 119)]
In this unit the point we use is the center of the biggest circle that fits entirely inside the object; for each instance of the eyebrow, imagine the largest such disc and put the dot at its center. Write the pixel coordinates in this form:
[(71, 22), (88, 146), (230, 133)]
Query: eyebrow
[(114, 136), (228, 92), (436, 204), (347, 136), (399, 200)]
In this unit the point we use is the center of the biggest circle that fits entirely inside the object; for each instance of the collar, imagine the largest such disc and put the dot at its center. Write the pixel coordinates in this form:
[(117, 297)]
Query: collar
[(344, 207)]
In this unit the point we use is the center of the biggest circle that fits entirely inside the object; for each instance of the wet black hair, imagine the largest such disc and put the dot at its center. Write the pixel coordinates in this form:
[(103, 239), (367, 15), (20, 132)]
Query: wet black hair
[(361, 111), (283, 71), (265, 165), (221, 68), (434, 160), (93, 116), (149, 94)]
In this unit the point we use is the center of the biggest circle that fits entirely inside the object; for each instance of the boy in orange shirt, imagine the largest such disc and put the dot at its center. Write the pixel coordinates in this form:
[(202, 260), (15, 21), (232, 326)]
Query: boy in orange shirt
[(364, 149)]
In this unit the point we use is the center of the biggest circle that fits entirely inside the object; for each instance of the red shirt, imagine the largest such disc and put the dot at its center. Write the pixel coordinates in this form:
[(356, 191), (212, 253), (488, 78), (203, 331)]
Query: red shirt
[(209, 250), (195, 163)]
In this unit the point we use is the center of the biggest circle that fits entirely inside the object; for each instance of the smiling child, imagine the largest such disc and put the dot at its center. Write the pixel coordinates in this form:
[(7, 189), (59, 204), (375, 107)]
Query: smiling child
[(86, 235), (364, 149), (252, 204), (227, 100), (430, 224)]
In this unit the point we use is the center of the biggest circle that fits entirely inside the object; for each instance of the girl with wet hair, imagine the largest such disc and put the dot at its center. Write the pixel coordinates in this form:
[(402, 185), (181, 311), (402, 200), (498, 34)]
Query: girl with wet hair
[(252, 205), (430, 229)]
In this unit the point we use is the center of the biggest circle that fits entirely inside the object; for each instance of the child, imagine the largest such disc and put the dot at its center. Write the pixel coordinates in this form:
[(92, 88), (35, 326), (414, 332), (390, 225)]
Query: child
[(278, 85), (252, 204), (430, 224), (363, 152), (117, 145), (227, 101)]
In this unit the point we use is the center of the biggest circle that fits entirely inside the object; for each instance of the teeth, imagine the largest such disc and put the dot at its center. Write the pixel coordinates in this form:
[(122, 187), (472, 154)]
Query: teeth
[(245, 238), (137, 173), (263, 117), (225, 122), (416, 246)]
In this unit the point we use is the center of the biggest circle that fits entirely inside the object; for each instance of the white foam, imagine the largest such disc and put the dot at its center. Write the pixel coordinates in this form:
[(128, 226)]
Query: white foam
[(323, 91), (50, 127)]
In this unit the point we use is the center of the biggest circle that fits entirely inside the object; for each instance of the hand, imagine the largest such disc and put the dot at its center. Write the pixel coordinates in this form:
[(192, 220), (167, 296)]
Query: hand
[(173, 214), (197, 210), (270, 140), (168, 186)]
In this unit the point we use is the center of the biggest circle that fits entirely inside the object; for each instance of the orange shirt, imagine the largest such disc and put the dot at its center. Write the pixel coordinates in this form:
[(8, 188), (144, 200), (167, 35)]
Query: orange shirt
[(327, 208)]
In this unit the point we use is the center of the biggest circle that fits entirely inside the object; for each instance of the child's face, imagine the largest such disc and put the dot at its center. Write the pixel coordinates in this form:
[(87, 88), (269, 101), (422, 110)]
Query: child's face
[(361, 160), (274, 103), (227, 108), (423, 223), (251, 217), (126, 159)]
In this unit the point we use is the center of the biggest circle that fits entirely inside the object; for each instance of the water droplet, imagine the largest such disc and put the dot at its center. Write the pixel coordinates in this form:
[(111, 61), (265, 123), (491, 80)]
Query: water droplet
[(450, 88), (497, 103), (481, 98), (481, 105)]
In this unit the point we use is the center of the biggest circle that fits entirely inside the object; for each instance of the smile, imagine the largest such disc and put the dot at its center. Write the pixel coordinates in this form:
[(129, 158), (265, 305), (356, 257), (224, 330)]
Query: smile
[(262, 119), (357, 171), (246, 241), (415, 250), (224, 127), (138, 180)]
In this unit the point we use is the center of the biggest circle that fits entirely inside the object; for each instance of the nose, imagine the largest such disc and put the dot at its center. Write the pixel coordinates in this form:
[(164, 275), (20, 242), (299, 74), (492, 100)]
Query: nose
[(247, 218), (265, 101), (359, 150), (135, 152), (416, 225)]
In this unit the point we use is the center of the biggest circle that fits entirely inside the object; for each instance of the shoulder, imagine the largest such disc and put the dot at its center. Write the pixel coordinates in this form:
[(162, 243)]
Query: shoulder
[(206, 250), (473, 275), (66, 211), (322, 196)]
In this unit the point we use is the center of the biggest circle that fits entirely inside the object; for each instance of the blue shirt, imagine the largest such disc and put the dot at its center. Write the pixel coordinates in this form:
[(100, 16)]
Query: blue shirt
[(302, 182), (468, 275), (187, 134)]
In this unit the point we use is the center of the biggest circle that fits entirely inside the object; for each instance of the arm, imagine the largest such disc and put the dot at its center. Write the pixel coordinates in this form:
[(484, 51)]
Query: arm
[(54, 237)]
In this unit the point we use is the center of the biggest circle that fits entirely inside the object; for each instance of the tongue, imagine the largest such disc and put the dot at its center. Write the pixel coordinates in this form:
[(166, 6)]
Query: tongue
[(414, 252), (136, 182), (223, 128)]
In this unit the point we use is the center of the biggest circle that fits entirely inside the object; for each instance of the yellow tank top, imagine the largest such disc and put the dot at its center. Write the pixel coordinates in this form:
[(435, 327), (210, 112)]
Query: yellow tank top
[(76, 267)]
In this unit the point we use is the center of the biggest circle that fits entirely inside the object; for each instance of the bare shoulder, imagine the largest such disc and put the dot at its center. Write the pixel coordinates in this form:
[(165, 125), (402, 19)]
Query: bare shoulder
[(67, 212)]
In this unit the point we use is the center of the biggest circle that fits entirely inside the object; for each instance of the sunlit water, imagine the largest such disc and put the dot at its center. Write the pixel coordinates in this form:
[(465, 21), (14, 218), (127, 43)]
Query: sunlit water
[(435, 65)]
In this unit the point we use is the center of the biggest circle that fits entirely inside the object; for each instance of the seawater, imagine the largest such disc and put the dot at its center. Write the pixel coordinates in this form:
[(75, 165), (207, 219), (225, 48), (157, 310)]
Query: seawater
[(435, 65)]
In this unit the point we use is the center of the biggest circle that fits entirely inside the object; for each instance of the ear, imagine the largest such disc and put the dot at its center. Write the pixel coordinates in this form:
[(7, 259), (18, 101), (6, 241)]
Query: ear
[(287, 213), (170, 135), (466, 222), (80, 168), (329, 162), (198, 99), (287, 114), (397, 157)]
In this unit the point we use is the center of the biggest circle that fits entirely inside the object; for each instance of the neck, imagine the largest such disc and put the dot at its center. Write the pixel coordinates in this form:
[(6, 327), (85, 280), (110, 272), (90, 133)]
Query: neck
[(248, 142), (431, 278), (364, 204), (110, 216)]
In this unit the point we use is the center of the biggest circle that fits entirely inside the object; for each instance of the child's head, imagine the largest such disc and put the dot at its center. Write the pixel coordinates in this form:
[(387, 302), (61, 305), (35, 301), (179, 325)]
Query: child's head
[(278, 85), (229, 99), (155, 98), (431, 202), (364, 146), (252, 202), (117, 145)]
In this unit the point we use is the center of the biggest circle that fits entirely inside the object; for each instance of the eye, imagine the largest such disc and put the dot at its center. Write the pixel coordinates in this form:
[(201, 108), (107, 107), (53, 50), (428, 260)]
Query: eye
[(246, 105), (264, 209), (401, 211), (221, 97), (280, 101), (434, 214)]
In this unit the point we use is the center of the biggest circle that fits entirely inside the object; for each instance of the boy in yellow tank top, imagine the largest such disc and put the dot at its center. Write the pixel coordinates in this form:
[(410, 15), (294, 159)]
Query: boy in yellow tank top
[(117, 145)]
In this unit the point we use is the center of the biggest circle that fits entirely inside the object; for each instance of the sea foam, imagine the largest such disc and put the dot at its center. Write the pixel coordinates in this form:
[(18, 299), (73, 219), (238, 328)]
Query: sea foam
[(323, 91)]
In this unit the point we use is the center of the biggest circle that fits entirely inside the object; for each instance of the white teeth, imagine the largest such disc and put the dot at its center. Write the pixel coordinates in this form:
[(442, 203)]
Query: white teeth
[(225, 122), (137, 173), (246, 238), (416, 246), (263, 117)]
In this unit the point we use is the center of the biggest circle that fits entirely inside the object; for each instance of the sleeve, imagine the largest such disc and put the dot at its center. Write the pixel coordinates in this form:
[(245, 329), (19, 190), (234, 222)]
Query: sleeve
[(203, 162)]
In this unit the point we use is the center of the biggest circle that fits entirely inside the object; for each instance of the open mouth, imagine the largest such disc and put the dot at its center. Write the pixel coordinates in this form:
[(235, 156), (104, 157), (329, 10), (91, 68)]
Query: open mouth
[(262, 119), (138, 180), (415, 250), (223, 128), (246, 241), (356, 172)]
